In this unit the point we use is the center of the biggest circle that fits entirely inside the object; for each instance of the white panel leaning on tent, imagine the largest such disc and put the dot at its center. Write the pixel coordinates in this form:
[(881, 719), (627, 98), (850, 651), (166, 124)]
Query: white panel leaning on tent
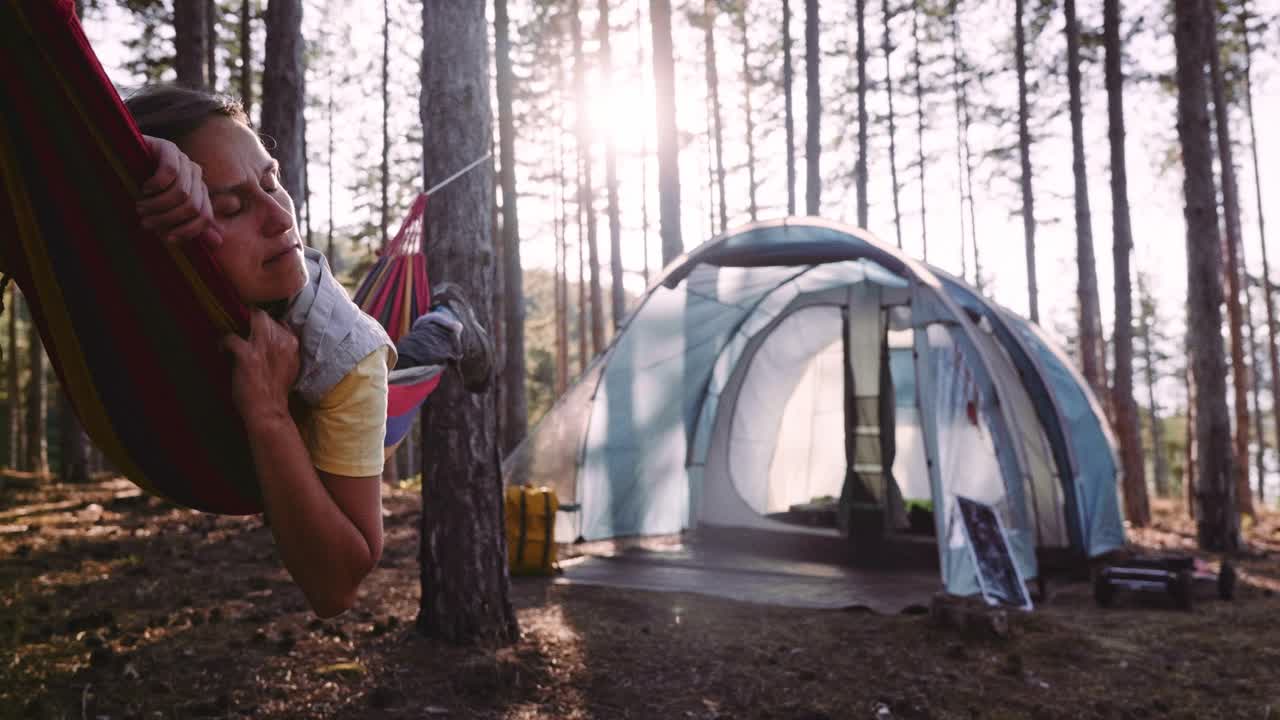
[(723, 401)]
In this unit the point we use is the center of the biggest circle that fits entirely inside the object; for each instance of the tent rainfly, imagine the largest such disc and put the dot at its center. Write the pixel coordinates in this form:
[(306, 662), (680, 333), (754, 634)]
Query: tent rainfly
[(803, 370)]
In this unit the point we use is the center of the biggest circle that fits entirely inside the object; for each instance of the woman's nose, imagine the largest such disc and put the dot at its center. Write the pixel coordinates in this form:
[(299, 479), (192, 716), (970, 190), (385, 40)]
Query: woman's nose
[(279, 215)]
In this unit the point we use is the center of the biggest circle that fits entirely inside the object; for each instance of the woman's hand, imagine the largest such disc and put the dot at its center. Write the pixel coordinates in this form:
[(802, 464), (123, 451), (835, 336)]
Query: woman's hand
[(266, 366), (175, 201)]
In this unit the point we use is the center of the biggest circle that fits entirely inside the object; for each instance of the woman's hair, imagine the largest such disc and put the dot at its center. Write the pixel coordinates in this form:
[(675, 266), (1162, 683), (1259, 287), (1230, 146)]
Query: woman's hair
[(172, 112)]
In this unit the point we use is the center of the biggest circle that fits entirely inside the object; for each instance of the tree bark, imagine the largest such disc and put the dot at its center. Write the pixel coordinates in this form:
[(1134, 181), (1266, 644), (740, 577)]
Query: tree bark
[(713, 93), (586, 188), (748, 80), (1137, 506), (1217, 519), (962, 66), (384, 220), (1159, 454), (893, 138), (1192, 458), (860, 168), (1235, 314), (284, 95), (668, 142), (211, 13), (644, 154), (1273, 352), (17, 453), (515, 406), (919, 87), (73, 460), (789, 117), (957, 91), (1255, 390), (617, 293), (1087, 277), (36, 406), (562, 247), (465, 589), (813, 97), (1024, 156), (190, 42), (246, 57)]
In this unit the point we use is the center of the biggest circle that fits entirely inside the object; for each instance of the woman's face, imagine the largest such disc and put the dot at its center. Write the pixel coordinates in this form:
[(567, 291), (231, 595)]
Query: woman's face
[(261, 250)]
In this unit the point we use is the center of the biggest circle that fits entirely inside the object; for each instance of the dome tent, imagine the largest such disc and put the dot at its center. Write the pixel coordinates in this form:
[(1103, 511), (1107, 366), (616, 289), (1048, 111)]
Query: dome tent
[(803, 369)]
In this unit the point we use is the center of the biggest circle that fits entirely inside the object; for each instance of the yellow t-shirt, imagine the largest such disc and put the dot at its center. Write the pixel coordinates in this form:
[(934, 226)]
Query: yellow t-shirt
[(345, 430)]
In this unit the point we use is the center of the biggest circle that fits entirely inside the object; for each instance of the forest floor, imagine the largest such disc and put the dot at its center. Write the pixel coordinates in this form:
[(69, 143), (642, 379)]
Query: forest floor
[(115, 605)]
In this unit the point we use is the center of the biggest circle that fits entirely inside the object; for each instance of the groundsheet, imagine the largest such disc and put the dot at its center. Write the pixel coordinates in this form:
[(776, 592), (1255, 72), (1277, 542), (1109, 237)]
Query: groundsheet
[(751, 577)]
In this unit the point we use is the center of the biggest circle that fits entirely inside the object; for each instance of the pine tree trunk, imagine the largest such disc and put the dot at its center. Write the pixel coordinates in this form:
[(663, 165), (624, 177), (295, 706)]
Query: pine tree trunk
[(966, 122), (748, 80), (893, 147), (384, 220), (246, 57), (1273, 351), (562, 248), (1255, 391), (860, 168), (465, 589), (17, 452), (73, 465), (813, 124), (1159, 454), (36, 406), (211, 16), (919, 87), (584, 310), (284, 94), (957, 92), (190, 42), (515, 406), (1137, 507), (1235, 314), (1024, 155), (329, 246), (713, 92), (1192, 456), (1217, 519), (617, 292), (1087, 282), (668, 142), (789, 117), (586, 190)]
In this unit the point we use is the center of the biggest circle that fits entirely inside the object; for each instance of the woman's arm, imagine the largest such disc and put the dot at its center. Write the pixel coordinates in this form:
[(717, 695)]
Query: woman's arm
[(328, 527)]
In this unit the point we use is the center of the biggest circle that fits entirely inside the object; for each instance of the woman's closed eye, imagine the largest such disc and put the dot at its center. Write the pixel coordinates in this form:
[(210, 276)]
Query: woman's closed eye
[(227, 206)]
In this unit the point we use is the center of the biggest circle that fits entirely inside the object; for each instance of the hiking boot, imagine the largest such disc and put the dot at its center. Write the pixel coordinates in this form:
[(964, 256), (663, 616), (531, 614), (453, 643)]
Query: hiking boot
[(476, 363)]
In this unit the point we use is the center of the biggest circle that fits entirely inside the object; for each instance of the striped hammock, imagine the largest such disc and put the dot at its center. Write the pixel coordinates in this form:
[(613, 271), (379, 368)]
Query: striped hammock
[(131, 326)]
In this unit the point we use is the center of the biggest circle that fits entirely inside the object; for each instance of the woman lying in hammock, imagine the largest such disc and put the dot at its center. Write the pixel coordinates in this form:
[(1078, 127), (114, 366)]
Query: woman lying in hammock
[(310, 381)]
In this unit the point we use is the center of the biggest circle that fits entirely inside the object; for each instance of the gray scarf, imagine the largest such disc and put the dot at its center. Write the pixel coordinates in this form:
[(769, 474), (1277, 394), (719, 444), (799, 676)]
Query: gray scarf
[(334, 334)]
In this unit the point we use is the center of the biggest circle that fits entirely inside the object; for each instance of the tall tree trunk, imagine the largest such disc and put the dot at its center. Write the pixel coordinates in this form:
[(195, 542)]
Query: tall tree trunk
[(966, 123), (1273, 352), (17, 453), (515, 408), (73, 458), (584, 310), (713, 93), (36, 405), (586, 189), (562, 247), (1217, 519), (789, 116), (668, 142), (860, 168), (893, 140), (1024, 155), (189, 42), (957, 83), (1087, 282), (644, 153), (813, 97), (1159, 454), (617, 293), (329, 247), (465, 589), (284, 94), (211, 13), (384, 221), (1137, 507), (1235, 314), (748, 80), (1255, 390), (919, 87), (1192, 455), (246, 57)]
